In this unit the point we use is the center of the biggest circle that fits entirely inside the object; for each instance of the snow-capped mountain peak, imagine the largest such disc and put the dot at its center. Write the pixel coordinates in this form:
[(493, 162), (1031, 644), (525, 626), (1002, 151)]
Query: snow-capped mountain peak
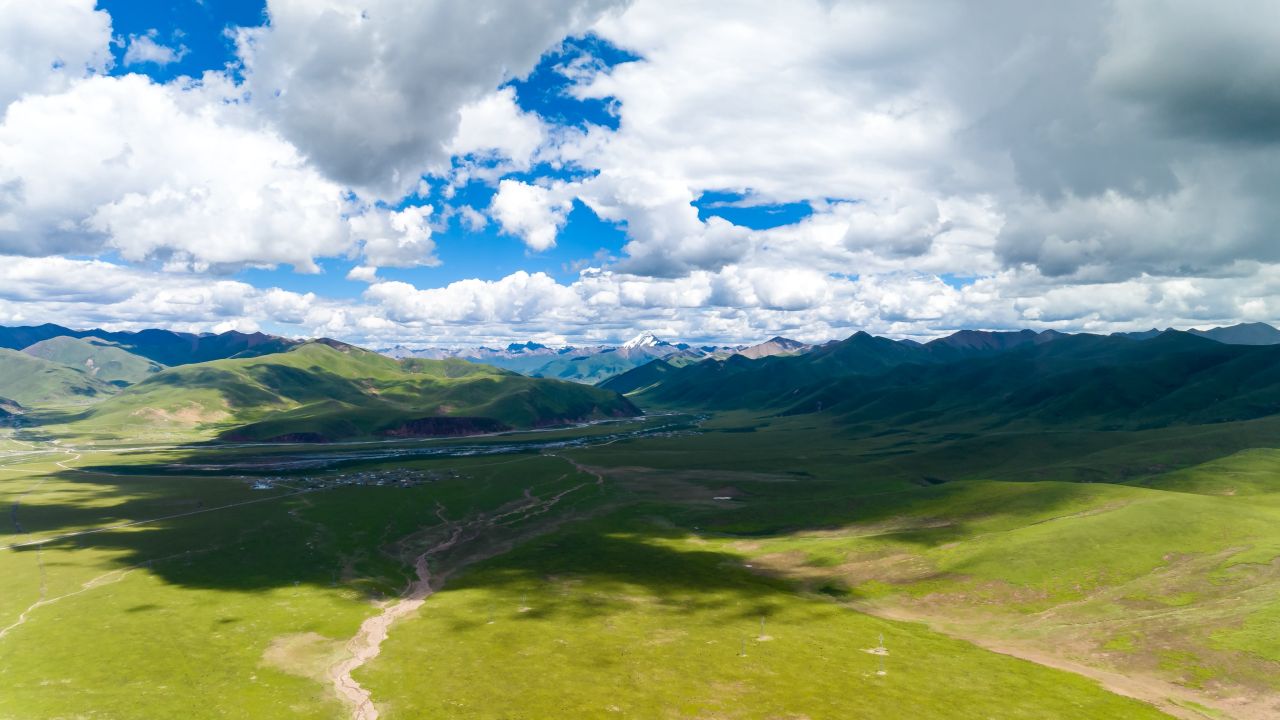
[(644, 339)]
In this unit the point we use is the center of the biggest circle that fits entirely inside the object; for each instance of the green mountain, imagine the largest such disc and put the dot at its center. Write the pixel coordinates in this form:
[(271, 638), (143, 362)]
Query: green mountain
[(588, 369), (174, 348), (1086, 380), (18, 337), (36, 382), (326, 390), (639, 379), (99, 358), (162, 346), (1242, 334), (740, 382)]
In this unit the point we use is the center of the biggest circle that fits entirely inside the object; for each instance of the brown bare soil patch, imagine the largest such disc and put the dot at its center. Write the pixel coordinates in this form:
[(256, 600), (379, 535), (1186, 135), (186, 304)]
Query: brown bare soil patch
[(307, 655), (189, 414)]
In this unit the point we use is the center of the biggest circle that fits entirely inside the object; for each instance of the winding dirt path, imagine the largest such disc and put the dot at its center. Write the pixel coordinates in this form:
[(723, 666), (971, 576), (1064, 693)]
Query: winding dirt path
[(367, 643)]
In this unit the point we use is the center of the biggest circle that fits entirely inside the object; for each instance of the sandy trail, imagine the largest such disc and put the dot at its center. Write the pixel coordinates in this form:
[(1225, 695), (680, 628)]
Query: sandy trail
[(367, 642), (104, 579), (107, 578)]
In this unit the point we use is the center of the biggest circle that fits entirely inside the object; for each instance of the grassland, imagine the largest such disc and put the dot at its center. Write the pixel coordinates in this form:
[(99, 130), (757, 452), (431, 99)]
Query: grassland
[(101, 359), (1144, 562), (33, 381)]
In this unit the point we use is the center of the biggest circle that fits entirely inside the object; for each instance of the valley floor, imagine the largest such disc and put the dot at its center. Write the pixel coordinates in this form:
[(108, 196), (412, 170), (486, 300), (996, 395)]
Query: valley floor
[(730, 567)]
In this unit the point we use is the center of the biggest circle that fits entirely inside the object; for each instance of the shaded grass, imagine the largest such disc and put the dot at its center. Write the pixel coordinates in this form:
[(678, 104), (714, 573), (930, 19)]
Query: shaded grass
[(625, 618)]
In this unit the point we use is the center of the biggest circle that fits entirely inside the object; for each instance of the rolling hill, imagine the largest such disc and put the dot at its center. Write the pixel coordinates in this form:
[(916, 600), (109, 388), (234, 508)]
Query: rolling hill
[(101, 359), (326, 390), (36, 382), (639, 379)]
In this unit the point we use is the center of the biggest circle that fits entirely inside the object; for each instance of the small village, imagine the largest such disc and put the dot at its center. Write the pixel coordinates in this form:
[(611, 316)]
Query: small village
[(385, 477)]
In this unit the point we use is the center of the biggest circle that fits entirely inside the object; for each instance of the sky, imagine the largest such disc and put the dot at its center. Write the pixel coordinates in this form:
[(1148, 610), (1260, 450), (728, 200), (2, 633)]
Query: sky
[(577, 171)]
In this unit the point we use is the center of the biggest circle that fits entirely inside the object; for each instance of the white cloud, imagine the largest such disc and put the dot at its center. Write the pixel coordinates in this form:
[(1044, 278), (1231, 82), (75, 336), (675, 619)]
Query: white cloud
[(472, 219), (371, 90), (533, 213), (181, 174), (516, 298), (733, 304), (46, 45), (1090, 165), (144, 49), (166, 172), (363, 273), (396, 238), (495, 127), (88, 293)]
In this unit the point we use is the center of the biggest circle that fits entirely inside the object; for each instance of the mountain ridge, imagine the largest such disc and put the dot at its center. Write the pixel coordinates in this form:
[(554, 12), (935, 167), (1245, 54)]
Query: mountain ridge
[(325, 390)]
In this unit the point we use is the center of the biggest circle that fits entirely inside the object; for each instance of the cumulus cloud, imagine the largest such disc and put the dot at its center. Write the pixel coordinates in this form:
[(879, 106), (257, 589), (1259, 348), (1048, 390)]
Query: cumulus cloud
[(533, 213), (515, 298), (45, 47), (87, 293), (494, 127), (363, 273), (180, 173), (161, 171), (143, 49), (1096, 165), (371, 90), (396, 238)]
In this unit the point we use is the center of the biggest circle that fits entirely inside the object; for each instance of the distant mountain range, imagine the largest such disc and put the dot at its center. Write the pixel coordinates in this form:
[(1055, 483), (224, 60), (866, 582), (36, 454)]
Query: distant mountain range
[(162, 346), (257, 386), (324, 390), (990, 379), (595, 363), (1242, 334), (50, 365)]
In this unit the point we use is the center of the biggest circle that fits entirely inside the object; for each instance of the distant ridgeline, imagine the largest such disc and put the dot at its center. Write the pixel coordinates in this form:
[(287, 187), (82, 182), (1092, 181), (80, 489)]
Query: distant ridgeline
[(257, 387), (162, 346), (989, 380), (596, 363)]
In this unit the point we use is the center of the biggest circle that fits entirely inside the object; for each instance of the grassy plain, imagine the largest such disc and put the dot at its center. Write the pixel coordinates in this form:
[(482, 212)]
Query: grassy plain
[(1144, 560)]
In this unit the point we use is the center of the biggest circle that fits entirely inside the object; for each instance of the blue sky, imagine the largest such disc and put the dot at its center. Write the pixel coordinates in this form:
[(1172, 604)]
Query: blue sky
[(723, 171), (200, 27), (203, 29)]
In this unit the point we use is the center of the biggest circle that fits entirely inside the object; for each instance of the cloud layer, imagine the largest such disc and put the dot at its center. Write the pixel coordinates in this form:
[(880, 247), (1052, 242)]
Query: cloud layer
[(1095, 165)]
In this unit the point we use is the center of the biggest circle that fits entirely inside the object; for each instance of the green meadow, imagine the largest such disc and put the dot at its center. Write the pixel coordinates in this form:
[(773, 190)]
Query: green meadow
[(748, 569)]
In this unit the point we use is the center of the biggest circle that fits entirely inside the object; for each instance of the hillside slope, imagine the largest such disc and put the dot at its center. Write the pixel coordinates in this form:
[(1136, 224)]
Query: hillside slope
[(993, 380), (34, 382), (638, 379), (325, 390), (101, 359), (1088, 381)]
